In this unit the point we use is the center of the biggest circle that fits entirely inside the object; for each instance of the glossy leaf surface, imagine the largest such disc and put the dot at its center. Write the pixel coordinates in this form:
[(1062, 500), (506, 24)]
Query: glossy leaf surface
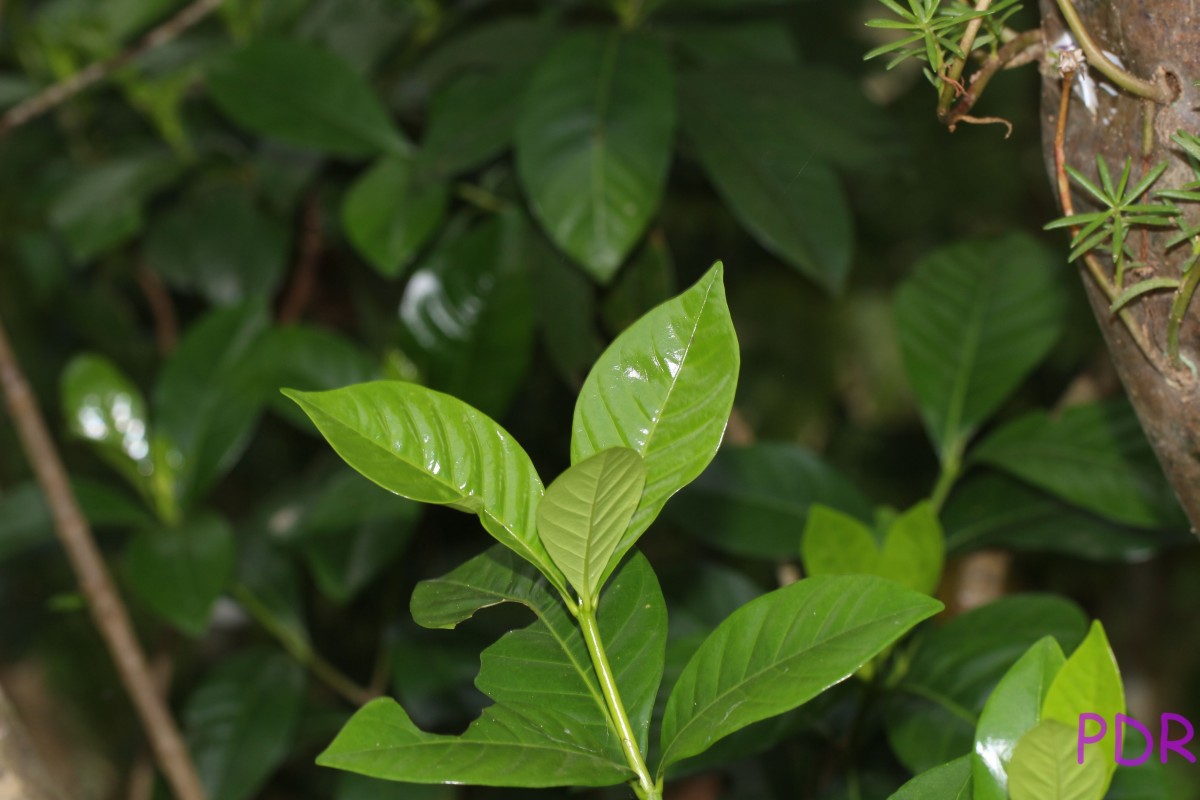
[(755, 500), (932, 713), (1014, 709), (1094, 456), (781, 650), (974, 319), (305, 96), (180, 572), (585, 512), (950, 781), (664, 388), (912, 552), (1045, 767), (433, 448), (593, 143), (548, 726), (241, 720), (391, 211)]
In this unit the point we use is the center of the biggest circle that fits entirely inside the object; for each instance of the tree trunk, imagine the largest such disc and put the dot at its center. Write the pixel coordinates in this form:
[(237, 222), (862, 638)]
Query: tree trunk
[(1147, 35)]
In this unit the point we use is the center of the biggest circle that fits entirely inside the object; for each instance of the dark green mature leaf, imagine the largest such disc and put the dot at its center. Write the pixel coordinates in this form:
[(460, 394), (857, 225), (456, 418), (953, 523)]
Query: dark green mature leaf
[(645, 282), (950, 781), (103, 407), (219, 244), (772, 181), (974, 319), (180, 572), (359, 787), (1095, 456), (310, 359), (305, 96), (911, 553), (391, 211), (241, 720), (664, 388), (210, 393), (102, 206), (1045, 767), (565, 306), (472, 120), (25, 521), (754, 500), (1014, 709), (732, 44), (994, 510), (593, 144), (585, 513), (468, 313), (434, 448), (548, 726), (781, 650), (932, 713)]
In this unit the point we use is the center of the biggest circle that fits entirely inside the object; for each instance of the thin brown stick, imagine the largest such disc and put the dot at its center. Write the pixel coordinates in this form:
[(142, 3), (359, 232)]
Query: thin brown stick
[(108, 612), (166, 326), (141, 773), (304, 276), (1135, 331), (958, 64), (62, 91)]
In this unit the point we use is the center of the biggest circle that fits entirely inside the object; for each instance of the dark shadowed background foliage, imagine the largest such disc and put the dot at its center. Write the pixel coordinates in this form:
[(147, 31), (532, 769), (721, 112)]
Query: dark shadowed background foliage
[(478, 195)]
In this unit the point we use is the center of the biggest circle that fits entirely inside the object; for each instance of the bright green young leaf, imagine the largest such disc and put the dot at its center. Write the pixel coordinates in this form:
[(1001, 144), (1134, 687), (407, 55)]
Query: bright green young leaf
[(305, 96), (974, 320), (593, 143), (664, 388), (220, 244), (780, 191), (1045, 767), (210, 393), (180, 572), (433, 448), (240, 722), (912, 553), (995, 510), (950, 781), (755, 501), (1089, 683), (391, 211), (781, 650), (548, 726), (467, 313), (1014, 709), (932, 712), (103, 407), (1095, 456), (585, 513)]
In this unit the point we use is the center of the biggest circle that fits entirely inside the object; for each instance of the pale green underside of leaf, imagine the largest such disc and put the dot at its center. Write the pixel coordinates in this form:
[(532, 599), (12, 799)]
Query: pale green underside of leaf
[(585, 512), (781, 650), (433, 448), (1045, 766), (664, 389), (974, 319), (549, 726)]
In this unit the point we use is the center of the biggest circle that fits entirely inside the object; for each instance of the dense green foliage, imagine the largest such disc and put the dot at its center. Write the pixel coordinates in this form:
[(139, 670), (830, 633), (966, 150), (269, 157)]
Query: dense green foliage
[(474, 241)]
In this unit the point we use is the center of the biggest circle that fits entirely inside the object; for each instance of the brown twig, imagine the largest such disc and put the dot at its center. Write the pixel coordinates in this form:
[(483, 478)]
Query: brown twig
[(1021, 50), (1135, 331), (141, 773), (64, 90), (967, 44), (108, 612), (304, 276), (166, 326)]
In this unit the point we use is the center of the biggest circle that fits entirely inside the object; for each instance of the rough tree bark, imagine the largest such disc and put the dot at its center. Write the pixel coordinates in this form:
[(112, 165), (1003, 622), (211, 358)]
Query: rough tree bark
[(1147, 35)]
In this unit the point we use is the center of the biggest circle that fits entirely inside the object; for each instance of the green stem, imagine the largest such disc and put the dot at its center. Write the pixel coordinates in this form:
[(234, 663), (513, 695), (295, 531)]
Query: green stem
[(299, 649), (1158, 92), (645, 787), (951, 470), (958, 64), (1183, 299)]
